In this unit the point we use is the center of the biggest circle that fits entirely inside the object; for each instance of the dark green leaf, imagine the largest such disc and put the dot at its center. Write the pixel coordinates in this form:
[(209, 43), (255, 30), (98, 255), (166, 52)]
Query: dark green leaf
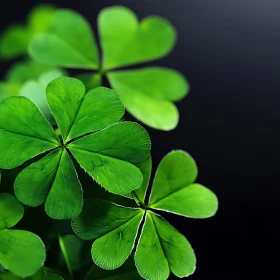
[(11, 211), (115, 228), (145, 167), (126, 272)]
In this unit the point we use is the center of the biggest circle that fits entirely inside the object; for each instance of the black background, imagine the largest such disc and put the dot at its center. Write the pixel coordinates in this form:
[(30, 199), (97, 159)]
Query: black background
[(229, 51)]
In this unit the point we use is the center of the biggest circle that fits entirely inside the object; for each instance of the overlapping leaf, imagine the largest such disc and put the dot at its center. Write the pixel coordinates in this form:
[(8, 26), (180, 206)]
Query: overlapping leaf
[(30, 79), (149, 93), (161, 248), (107, 155), (16, 245)]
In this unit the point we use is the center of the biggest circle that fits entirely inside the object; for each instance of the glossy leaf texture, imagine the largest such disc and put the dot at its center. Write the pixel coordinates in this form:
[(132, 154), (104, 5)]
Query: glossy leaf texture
[(90, 130), (68, 43), (16, 245), (15, 39), (148, 93)]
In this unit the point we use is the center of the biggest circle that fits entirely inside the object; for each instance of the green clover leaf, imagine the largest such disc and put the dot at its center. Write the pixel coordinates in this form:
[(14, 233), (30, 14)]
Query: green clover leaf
[(30, 79), (15, 39), (88, 124), (148, 94), (15, 245), (161, 248)]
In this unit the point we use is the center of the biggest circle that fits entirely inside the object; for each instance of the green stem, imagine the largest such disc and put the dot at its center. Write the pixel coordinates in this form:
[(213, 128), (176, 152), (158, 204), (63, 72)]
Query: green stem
[(65, 255)]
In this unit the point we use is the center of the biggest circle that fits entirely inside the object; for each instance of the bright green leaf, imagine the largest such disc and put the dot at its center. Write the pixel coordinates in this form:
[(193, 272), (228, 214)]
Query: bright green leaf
[(115, 228), (11, 211), (68, 43), (15, 248), (36, 92), (162, 249), (25, 133), (83, 112), (173, 189), (175, 171), (59, 186), (124, 41), (145, 167), (126, 272), (105, 155), (31, 188), (65, 198), (22, 125), (148, 94), (194, 201)]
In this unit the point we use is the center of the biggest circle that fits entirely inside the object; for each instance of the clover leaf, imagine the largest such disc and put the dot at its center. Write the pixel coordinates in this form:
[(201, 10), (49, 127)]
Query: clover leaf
[(15, 39), (30, 79), (148, 94), (16, 245), (161, 248), (88, 124)]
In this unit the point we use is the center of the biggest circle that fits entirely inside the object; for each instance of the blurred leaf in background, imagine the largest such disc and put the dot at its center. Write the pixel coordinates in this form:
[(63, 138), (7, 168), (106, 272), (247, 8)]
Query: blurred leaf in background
[(14, 39), (148, 93), (30, 79)]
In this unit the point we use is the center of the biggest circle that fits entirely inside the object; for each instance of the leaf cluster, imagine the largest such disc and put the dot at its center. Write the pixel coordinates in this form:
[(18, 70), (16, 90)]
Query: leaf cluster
[(65, 141)]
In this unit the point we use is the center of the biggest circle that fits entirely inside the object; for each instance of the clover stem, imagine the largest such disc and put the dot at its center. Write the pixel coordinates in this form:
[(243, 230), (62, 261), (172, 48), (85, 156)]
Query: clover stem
[(102, 72), (65, 255)]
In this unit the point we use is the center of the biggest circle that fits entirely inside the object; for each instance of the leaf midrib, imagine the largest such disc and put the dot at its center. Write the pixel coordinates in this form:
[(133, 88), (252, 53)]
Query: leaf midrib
[(90, 64), (132, 218), (31, 136), (159, 238)]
